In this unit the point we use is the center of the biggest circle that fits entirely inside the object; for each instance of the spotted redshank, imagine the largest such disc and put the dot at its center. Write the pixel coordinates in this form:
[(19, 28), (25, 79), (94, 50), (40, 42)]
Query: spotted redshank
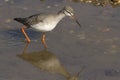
[(45, 22)]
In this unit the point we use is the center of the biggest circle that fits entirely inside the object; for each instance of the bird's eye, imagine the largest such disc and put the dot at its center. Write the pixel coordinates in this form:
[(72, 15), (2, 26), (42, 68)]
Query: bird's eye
[(69, 12)]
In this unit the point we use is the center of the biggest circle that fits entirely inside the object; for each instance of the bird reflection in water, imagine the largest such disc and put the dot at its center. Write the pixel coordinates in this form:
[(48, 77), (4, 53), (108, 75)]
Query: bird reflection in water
[(47, 61)]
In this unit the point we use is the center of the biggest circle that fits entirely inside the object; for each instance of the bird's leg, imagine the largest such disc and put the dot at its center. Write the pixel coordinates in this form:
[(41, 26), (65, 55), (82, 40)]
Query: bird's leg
[(26, 36), (44, 41), (25, 48)]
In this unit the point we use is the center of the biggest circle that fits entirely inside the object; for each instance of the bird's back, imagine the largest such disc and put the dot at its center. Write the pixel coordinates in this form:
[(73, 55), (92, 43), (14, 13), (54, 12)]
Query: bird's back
[(31, 20)]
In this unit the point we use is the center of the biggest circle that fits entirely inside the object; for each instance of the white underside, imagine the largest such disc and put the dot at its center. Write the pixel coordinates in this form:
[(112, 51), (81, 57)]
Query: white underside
[(44, 27)]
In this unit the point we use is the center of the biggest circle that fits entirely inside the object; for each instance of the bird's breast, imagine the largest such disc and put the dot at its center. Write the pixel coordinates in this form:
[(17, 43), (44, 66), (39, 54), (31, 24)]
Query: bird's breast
[(44, 26)]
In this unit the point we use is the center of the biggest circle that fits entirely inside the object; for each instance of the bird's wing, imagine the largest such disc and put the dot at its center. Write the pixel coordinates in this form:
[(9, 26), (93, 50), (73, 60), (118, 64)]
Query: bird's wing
[(34, 19)]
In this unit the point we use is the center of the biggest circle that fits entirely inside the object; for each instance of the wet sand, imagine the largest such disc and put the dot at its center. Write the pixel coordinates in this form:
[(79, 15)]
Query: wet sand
[(96, 46)]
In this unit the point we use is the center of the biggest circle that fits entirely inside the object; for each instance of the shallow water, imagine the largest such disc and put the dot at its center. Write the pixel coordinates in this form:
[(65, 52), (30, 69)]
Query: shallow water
[(96, 46)]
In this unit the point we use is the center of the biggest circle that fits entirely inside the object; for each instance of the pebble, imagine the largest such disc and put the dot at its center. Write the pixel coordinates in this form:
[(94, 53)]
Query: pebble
[(7, 20), (56, 5), (106, 30), (9, 1), (71, 31), (48, 6), (81, 36), (6, 0)]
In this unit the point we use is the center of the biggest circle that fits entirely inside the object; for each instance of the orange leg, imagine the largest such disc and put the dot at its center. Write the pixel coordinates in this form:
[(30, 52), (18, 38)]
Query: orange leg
[(43, 40), (26, 36)]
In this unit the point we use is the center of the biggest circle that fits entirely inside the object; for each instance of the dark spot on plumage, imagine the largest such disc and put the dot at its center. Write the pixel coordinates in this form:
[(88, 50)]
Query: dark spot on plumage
[(34, 19)]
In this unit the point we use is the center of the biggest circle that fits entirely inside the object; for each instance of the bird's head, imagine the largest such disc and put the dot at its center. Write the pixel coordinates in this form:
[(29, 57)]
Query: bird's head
[(68, 11)]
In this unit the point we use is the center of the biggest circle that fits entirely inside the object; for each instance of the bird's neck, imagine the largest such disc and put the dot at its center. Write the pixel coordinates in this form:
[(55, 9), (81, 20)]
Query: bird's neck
[(61, 14)]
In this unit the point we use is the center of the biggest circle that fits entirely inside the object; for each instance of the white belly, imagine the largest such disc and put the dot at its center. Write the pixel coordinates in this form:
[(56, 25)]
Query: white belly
[(44, 27), (48, 23)]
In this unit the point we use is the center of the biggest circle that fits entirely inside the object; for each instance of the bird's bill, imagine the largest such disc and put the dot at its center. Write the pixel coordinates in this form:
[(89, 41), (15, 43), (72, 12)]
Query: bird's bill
[(73, 17)]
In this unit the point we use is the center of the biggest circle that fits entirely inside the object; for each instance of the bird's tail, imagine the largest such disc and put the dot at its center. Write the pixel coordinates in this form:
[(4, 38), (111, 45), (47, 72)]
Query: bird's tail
[(21, 20)]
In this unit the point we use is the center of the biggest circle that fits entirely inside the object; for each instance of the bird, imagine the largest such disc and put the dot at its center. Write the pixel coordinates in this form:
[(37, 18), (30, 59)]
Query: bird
[(45, 22)]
